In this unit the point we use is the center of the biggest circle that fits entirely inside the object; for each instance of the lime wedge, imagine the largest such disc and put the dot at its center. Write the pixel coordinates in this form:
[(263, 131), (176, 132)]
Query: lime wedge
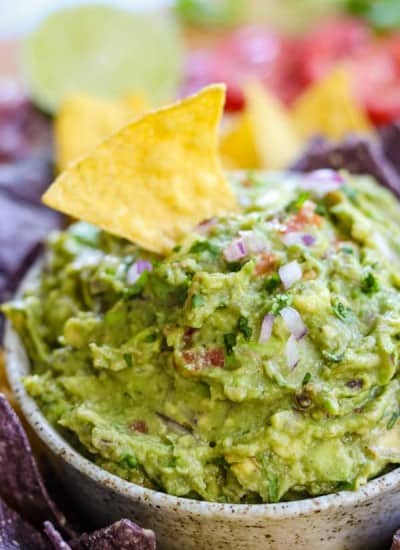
[(104, 51)]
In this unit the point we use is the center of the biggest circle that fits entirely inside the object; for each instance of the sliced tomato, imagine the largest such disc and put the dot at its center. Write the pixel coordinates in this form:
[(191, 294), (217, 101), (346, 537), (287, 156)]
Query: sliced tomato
[(383, 106), (329, 43), (249, 52), (377, 80)]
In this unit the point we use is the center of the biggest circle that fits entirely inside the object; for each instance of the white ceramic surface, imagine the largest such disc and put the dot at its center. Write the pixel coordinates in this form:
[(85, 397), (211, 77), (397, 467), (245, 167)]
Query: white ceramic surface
[(362, 520)]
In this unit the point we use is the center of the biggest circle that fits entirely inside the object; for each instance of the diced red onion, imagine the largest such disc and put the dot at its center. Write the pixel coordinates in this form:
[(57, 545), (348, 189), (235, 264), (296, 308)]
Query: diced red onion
[(266, 328), (294, 322), (204, 227), (290, 274), (136, 270), (255, 242), (292, 352), (295, 237), (235, 250), (308, 240), (321, 182)]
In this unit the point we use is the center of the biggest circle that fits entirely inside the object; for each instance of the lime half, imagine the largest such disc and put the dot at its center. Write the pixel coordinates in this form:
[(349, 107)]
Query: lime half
[(105, 51)]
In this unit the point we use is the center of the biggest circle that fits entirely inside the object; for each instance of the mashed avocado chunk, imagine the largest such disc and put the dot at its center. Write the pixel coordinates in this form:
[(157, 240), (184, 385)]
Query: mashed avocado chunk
[(257, 362)]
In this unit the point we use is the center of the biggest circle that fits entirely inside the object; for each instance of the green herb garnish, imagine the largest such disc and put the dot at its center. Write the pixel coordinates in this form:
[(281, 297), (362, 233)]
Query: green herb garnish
[(279, 302), (347, 249), (243, 326), (321, 210), (234, 266), (204, 246), (393, 419), (350, 193), (341, 311), (333, 357), (128, 461), (138, 286), (128, 359), (272, 282), (230, 342), (369, 284), (197, 300), (297, 203), (180, 294), (273, 489), (306, 379)]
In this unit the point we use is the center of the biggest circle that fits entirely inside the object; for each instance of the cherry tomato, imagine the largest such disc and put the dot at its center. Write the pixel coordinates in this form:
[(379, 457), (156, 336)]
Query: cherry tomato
[(335, 40), (249, 52), (377, 80)]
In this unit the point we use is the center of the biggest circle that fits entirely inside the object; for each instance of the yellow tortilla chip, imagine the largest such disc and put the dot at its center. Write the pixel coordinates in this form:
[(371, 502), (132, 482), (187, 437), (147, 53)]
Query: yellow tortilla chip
[(264, 136), (330, 108), (154, 179), (275, 137), (237, 147), (83, 121)]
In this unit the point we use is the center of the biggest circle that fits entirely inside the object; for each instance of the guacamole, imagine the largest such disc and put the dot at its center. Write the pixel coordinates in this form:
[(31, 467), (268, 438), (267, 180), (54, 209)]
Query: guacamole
[(257, 362)]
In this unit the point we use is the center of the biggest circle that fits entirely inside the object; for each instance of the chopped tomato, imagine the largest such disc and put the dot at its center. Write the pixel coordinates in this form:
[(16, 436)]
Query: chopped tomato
[(377, 80), (247, 53), (266, 263), (201, 359), (139, 426), (329, 43), (306, 216), (287, 66)]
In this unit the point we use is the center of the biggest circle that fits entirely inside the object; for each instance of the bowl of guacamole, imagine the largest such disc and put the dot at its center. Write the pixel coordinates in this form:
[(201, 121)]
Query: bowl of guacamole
[(254, 366)]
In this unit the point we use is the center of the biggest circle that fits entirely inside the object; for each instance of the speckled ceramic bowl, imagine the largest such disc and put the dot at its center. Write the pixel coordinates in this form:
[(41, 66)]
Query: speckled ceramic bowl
[(362, 520)]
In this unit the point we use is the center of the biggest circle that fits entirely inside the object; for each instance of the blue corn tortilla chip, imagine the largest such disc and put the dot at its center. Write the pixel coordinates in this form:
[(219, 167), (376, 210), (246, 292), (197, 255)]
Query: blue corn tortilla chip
[(27, 179), (21, 484), (22, 488), (390, 140), (25, 172), (55, 538), (23, 227), (123, 534), (357, 155), (16, 534), (24, 130)]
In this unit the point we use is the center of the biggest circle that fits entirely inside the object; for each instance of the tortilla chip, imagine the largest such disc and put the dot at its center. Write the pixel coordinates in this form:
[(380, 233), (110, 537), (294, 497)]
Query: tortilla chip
[(357, 155), (264, 135), (83, 121), (27, 179), (275, 137), (54, 536), (27, 225), (330, 108), (155, 179), (237, 147), (121, 534), (21, 484), (389, 137), (16, 533)]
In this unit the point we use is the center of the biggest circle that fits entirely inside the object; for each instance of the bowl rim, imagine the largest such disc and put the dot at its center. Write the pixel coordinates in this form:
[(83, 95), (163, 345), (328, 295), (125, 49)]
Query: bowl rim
[(17, 364)]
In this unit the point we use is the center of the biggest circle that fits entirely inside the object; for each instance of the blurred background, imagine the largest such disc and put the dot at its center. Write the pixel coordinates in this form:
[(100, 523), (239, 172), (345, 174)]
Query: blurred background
[(299, 74)]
